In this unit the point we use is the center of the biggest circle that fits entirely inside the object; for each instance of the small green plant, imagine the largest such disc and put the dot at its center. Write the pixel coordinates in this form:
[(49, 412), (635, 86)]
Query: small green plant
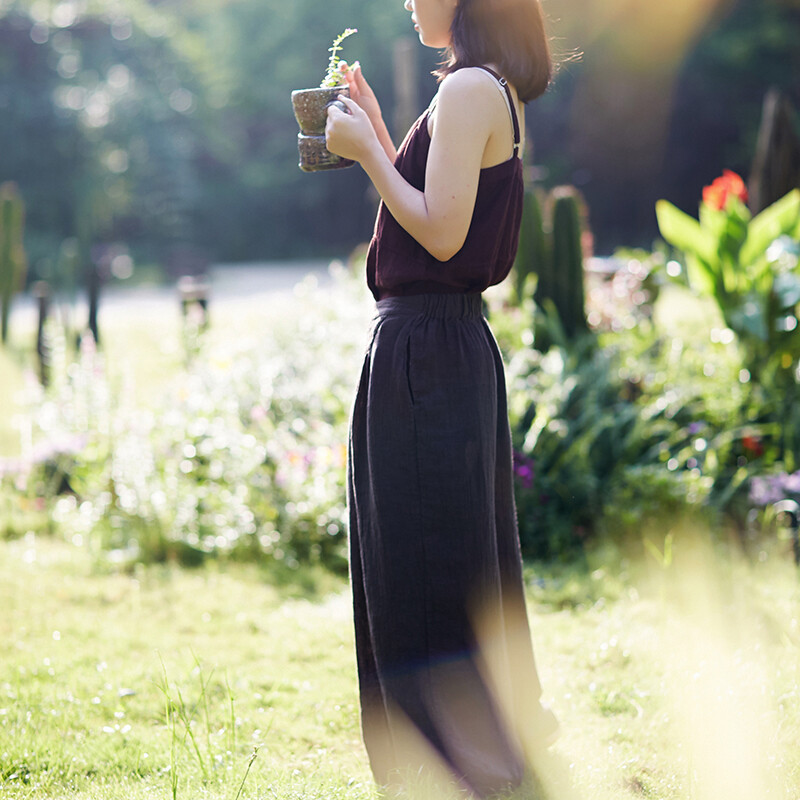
[(334, 75)]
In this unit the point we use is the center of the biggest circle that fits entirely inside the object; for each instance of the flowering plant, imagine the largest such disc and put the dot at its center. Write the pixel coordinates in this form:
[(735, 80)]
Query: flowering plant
[(748, 265), (768, 489), (334, 75), (728, 184)]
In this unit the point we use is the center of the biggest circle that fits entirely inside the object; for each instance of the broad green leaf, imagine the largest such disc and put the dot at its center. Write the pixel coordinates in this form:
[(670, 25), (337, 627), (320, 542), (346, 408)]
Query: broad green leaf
[(782, 217), (685, 232), (701, 278), (760, 275), (712, 220), (738, 210), (734, 235), (733, 278), (731, 221)]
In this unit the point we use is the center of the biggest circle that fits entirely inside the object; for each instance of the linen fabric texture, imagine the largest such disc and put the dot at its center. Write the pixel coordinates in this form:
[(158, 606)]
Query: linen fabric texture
[(434, 545), (434, 549)]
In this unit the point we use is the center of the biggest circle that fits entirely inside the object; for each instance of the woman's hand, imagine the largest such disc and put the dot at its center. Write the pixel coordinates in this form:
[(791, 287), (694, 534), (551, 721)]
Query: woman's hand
[(350, 134), (361, 92)]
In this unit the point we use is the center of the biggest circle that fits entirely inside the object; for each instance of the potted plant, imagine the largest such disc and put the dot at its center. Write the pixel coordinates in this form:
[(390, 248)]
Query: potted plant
[(311, 112)]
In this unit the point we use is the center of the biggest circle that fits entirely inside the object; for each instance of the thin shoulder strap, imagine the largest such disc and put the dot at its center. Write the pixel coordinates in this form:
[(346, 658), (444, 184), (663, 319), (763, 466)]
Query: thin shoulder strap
[(504, 83)]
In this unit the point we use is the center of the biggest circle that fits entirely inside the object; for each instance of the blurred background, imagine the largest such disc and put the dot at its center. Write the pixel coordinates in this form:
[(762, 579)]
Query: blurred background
[(154, 137)]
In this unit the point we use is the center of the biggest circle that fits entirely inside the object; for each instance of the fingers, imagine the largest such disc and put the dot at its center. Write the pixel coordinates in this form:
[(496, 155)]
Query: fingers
[(352, 80), (349, 102), (361, 81), (354, 75), (349, 69), (344, 107)]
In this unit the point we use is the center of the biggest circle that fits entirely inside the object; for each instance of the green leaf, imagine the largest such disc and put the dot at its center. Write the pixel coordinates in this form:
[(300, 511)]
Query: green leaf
[(782, 217), (734, 281), (712, 220), (737, 210), (701, 278), (685, 232)]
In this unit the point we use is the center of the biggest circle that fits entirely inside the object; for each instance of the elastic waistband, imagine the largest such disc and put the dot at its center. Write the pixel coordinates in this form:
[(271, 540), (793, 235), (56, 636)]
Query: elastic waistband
[(441, 306)]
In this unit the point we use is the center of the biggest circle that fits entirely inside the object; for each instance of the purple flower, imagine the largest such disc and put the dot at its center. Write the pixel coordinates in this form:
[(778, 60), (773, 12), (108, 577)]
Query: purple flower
[(769, 489), (49, 449), (791, 483), (524, 469), (696, 427)]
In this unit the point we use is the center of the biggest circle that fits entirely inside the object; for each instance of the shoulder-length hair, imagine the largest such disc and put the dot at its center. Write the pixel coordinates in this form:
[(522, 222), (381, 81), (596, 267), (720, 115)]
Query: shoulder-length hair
[(508, 33)]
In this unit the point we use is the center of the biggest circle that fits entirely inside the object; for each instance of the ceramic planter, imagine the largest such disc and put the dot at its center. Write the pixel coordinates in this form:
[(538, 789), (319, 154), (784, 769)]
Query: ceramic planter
[(311, 112)]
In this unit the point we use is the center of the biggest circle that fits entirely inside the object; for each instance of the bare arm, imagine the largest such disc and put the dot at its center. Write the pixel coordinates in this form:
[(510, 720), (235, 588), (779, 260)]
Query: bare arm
[(438, 217)]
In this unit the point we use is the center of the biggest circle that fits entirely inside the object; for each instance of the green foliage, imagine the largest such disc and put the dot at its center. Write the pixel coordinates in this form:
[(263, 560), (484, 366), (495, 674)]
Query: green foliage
[(174, 128), (206, 128), (750, 270), (567, 264), (332, 75), (241, 455), (750, 267), (532, 251), (238, 450), (13, 263), (550, 247), (645, 498), (582, 433)]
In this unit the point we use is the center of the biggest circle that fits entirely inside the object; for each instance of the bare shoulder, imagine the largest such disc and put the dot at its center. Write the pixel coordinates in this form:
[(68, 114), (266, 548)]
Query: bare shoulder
[(470, 84), (467, 96)]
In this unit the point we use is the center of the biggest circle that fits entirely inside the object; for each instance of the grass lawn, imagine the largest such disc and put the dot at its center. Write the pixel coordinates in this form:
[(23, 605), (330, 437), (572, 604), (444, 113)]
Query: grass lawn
[(677, 681)]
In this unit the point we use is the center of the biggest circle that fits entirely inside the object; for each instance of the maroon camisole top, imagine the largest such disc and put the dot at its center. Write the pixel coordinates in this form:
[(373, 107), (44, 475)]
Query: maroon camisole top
[(397, 265)]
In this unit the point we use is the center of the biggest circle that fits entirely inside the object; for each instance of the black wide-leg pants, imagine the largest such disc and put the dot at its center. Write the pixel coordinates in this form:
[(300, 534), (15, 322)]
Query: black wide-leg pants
[(434, 545)]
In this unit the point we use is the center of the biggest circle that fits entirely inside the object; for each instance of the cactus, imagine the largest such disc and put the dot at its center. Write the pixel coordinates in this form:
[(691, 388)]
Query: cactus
[(567, 261), (776, 166), (13, 264), (532, 250), (550, 246)]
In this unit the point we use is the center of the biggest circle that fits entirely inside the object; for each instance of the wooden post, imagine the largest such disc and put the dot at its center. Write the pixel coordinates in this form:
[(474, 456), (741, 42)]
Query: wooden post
[(41, 292), (406, 107), (776, 166), (193, 291), (93, 283)]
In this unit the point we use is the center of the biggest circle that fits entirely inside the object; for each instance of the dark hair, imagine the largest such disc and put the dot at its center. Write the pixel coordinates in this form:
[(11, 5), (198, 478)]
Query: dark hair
[(508, 33)]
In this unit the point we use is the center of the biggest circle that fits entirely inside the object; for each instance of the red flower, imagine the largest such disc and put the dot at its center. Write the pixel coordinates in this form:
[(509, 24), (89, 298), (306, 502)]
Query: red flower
[(729, 183), (752, 445)]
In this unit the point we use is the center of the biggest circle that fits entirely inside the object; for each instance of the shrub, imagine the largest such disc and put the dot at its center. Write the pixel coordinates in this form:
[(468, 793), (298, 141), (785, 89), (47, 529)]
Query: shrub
[(578, 427), (750, 267), (244, 454)]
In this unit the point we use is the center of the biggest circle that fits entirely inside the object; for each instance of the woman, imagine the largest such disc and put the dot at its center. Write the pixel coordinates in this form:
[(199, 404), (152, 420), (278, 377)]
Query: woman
[(434, 546)]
